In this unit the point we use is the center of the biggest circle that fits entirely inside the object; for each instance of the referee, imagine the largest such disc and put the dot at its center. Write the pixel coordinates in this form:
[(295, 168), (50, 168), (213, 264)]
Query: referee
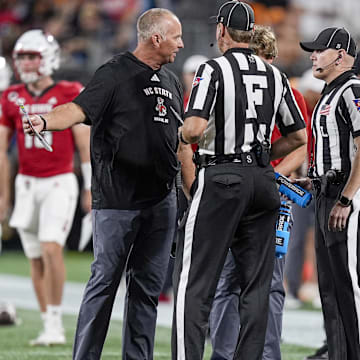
[(129, 103), (224, 321), (234, 104), (335, 169)]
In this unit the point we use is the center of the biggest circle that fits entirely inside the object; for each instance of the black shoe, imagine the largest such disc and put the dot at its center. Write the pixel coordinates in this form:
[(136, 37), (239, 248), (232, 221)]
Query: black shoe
[(320, 354)]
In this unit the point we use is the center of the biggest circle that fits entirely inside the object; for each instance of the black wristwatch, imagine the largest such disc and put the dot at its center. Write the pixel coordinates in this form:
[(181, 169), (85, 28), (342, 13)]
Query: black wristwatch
[(344, 201)]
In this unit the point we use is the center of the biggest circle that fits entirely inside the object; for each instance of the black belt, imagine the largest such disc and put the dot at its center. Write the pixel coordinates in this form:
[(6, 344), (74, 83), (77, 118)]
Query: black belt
[(332, 177), (242, 159)]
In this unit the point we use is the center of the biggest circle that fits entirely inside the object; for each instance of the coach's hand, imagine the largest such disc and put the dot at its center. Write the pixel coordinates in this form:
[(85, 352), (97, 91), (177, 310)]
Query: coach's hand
[(305, 183), (37, 123), (338, 217)]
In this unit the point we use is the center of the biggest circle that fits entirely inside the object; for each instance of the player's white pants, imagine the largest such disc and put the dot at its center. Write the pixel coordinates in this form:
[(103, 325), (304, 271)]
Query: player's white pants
[(44, 210)]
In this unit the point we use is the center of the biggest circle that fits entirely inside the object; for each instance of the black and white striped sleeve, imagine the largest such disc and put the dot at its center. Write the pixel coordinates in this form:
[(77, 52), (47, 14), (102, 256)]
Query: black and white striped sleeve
[(289, 117), (203, 92), (350, 108)]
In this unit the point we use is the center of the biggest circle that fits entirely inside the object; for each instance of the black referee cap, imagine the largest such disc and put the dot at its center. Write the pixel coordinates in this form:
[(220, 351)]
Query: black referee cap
[(332, 38), (236, 15)]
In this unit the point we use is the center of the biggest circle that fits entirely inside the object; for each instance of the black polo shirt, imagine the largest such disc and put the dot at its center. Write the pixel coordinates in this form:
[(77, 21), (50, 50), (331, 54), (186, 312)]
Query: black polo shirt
[(134, 132)]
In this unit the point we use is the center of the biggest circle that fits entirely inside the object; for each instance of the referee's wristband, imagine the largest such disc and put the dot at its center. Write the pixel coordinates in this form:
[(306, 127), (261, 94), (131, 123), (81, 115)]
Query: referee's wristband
[(182, 139), (44, 121)]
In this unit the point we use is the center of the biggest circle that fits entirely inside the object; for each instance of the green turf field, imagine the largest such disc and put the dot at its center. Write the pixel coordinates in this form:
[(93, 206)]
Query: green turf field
[(14, 339), (14, 342), (77, 264)]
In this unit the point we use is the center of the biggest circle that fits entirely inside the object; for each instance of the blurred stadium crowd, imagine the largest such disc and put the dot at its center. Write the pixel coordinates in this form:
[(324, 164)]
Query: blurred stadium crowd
[(91, 31)]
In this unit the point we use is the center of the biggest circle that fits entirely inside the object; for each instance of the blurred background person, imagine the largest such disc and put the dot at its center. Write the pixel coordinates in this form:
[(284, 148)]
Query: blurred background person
[(5, 77), (188, 72), (7, 310), (46, 188), (300, 267)]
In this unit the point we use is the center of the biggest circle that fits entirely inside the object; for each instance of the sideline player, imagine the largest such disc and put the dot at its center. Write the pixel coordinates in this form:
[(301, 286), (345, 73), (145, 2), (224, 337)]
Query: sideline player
[(5, 78), (224, 317), (335, 174), (46, 189)]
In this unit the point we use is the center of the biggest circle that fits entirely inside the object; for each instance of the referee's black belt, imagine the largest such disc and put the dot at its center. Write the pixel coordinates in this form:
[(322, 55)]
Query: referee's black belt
[(331, 177), (242, 159)]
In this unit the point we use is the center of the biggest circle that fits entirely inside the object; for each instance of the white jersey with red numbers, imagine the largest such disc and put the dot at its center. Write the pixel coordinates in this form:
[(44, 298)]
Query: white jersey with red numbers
[(34, 160)]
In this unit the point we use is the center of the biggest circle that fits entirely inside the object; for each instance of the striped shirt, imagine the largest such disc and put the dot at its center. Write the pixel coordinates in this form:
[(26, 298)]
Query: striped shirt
[(335, 123), (242, 97)]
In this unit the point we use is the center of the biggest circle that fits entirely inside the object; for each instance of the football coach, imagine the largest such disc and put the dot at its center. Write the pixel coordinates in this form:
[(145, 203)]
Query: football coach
[(130, 104)]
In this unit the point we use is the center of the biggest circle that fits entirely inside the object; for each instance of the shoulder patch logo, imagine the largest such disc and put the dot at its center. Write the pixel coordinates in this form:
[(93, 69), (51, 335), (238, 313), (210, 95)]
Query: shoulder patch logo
[(197, 80), (357, 104), (325, 109), (155, 78), (251, 59)]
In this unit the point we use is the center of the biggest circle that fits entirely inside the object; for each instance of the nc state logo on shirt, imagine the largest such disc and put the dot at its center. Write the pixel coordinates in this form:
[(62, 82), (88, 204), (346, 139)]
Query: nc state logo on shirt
[(160, 107)]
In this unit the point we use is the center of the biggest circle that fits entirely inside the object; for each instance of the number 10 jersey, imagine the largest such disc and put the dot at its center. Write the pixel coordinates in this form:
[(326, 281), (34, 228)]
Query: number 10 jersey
[(34, 160)]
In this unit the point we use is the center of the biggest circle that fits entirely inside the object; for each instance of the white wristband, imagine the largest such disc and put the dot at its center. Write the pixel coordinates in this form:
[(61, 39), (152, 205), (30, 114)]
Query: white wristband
[(86, 174)]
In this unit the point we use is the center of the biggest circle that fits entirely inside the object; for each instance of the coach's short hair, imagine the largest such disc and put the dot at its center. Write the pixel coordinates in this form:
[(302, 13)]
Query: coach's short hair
[(263, 42), (151, 22)]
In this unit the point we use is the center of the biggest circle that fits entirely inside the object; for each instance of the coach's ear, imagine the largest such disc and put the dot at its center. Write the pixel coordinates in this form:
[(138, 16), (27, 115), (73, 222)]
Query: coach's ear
[(156, 40)]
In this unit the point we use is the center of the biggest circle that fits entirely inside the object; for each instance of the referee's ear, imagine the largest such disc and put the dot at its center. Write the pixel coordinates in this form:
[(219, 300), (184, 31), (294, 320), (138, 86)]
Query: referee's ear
[(221, 30)]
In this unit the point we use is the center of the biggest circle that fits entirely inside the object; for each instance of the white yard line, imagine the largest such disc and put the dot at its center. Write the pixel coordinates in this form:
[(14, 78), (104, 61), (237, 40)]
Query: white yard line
[(299, 327)]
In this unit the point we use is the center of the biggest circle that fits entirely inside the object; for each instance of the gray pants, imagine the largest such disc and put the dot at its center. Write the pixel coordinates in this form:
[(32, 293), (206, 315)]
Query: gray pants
[(140, 240), (224, 318), (303, 221)]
